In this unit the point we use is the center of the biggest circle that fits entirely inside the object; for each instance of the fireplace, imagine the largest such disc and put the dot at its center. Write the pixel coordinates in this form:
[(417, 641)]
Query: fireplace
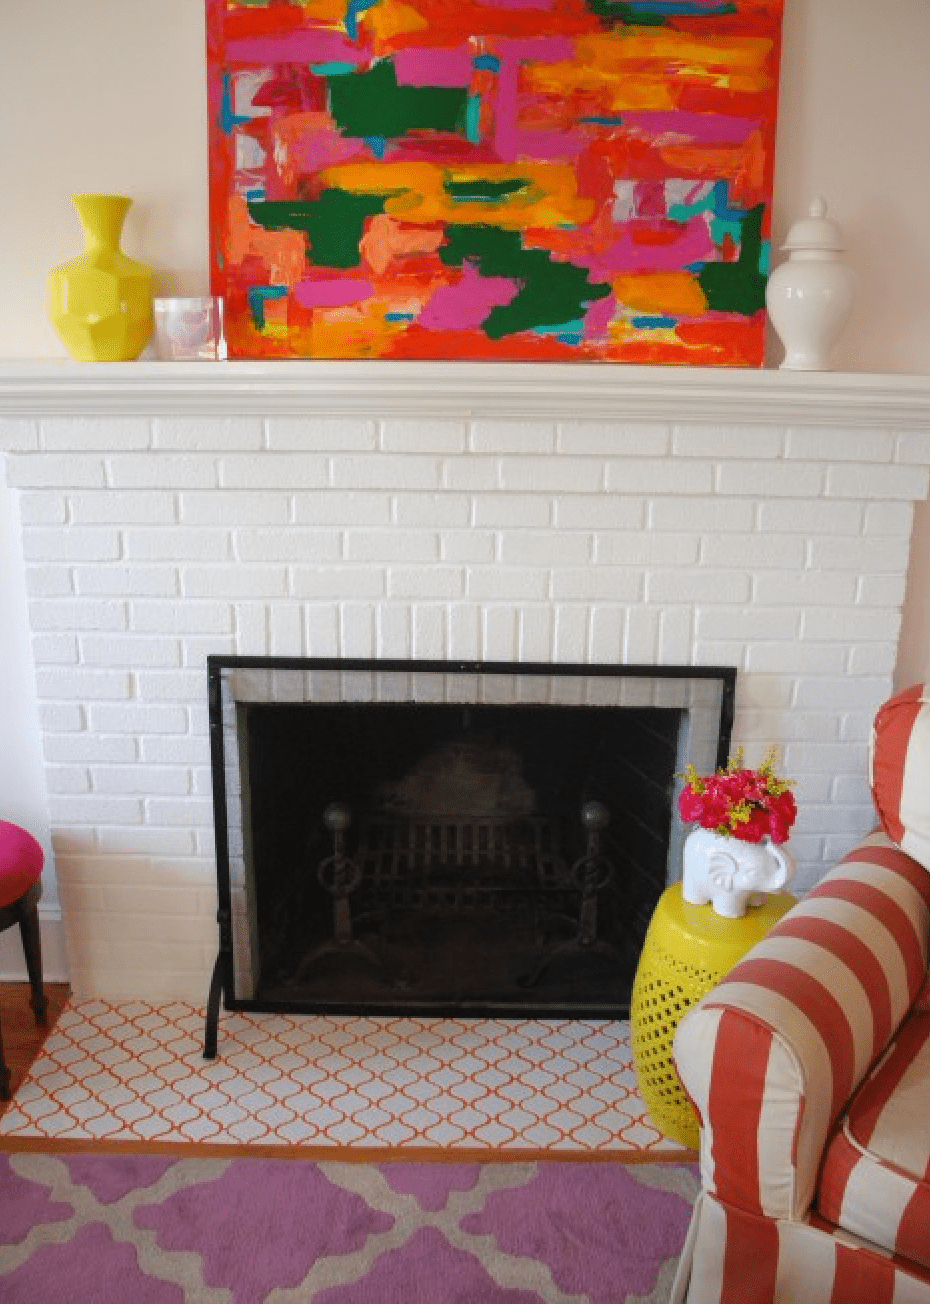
[(457, 512), (430, 837)]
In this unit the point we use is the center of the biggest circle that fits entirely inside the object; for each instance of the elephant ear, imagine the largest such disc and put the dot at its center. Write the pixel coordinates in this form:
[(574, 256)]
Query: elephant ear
[(721, 871), (785, 870)]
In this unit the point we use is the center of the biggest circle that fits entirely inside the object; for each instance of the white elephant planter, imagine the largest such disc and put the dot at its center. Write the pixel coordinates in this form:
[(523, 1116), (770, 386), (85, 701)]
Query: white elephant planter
[(731, 874)]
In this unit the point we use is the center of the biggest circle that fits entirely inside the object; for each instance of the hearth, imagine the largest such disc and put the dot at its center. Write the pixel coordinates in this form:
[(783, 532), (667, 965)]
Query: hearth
[(447, 838)]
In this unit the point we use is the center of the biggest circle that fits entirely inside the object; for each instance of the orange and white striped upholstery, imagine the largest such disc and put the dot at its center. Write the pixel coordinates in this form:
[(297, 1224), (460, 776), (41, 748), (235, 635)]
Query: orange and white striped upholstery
[(876, 1175), (900, 770), (770, 1058)]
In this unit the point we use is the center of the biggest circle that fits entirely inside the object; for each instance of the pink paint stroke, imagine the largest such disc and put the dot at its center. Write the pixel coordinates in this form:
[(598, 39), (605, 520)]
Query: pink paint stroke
[(465, 305), (510, 143), (691, 244), (330, 294), (415, 67), (298, 47), (706, 128), (598, 318)]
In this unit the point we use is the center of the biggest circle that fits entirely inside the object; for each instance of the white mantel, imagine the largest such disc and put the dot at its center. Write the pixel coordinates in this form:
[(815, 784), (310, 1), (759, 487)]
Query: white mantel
[(716, 396)]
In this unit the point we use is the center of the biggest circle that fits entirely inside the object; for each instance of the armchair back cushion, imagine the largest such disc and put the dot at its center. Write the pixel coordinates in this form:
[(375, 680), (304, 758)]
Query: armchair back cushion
[(900, 770)]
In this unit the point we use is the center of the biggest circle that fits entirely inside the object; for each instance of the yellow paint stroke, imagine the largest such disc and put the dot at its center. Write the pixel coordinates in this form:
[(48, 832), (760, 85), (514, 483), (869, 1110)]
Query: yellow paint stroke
[(674, 294), (639, 70), (385, 239), (416, 193), (284, 253), (275, 319), (623, 332)]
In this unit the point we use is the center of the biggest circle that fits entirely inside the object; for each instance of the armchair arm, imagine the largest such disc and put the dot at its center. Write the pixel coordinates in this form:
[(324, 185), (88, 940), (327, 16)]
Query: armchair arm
[(771, 1055)]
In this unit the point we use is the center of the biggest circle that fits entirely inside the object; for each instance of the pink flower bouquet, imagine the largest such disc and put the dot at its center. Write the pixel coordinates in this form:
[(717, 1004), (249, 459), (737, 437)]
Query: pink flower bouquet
[(740, 803)]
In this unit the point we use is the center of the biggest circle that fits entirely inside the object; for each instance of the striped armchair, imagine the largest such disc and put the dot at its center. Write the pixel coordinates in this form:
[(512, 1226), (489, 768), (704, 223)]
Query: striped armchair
[(809, 1066)]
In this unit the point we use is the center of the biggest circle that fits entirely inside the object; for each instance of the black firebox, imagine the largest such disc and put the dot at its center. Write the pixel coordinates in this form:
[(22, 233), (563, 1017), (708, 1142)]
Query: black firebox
[(447, 838)]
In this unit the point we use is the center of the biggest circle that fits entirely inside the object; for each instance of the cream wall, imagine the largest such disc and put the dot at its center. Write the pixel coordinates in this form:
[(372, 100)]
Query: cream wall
[(109, 96)]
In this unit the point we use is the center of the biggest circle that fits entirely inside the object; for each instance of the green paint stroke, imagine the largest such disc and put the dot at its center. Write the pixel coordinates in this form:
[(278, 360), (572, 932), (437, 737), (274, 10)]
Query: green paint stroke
[(334, 223), (482, 191), (740, 286), (622, 13), (550, 293), (643, 13), (372, 104)]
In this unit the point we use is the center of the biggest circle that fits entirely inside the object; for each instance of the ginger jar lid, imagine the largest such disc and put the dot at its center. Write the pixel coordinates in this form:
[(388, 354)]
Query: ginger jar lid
[(816, 231)]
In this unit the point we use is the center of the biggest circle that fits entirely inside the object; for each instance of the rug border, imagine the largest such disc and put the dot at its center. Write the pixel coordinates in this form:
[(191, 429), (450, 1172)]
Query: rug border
[(335, 1154)]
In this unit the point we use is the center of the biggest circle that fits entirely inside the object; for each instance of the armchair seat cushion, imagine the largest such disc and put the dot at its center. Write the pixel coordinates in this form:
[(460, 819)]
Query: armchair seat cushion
[(875, 1181)]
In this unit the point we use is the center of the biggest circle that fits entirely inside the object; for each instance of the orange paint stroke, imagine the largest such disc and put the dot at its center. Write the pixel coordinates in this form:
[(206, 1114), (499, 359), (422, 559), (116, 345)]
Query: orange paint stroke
[(640, 70), (744, 166), (386, 240), (283, 253), (383, 24)]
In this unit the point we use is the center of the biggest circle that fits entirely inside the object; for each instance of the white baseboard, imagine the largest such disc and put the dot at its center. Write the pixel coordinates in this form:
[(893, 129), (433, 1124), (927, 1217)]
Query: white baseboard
[(55, 967)]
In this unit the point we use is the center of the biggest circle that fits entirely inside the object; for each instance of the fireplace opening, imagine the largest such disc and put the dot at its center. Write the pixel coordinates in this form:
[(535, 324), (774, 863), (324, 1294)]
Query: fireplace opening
[(436, 838)]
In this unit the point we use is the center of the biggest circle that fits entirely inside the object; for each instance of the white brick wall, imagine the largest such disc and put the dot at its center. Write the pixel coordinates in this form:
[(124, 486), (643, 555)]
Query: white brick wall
[(149, 544)]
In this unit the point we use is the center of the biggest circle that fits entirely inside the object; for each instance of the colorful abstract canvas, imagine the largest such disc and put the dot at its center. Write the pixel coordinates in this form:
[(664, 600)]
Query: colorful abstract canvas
[(532, 180)]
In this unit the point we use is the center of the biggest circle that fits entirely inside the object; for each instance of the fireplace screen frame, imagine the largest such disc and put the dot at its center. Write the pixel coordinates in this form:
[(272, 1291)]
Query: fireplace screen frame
[(705, 696)]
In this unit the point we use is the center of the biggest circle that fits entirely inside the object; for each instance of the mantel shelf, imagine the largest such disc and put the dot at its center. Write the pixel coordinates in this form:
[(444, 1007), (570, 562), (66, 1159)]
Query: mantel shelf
[(466, 390)]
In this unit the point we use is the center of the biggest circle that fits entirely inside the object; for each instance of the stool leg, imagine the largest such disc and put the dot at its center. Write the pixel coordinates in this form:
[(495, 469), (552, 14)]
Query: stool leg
[(4, 1075), (32, 950)]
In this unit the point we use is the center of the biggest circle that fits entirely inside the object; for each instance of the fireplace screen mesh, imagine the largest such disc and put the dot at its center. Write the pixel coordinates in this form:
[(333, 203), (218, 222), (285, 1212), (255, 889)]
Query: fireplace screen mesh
[(448, 838)]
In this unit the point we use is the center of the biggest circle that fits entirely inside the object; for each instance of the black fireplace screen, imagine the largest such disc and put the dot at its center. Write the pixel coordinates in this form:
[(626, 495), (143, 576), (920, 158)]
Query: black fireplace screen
[(435, 838)]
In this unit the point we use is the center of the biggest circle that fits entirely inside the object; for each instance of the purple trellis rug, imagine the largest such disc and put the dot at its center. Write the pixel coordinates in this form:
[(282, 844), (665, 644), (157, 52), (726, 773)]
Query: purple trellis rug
[(106, 1229)]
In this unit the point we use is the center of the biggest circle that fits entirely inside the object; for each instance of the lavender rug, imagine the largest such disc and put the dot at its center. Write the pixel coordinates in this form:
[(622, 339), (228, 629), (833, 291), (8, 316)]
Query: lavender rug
[(105, 1229)]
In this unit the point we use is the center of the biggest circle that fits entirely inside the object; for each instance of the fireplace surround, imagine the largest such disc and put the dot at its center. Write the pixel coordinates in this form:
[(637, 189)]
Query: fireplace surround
[(567, 515), (404, 836)]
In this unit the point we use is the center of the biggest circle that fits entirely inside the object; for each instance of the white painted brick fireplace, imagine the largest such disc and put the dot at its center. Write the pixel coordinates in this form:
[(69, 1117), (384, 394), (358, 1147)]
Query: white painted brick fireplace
[(605, 515)]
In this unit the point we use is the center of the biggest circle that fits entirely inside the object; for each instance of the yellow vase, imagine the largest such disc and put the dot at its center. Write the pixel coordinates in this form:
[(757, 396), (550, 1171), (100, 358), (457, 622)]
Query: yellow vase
[(101, 303)]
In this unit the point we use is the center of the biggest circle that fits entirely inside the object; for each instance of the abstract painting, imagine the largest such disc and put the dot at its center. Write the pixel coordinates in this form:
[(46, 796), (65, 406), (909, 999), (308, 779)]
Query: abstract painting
[(514, 180)]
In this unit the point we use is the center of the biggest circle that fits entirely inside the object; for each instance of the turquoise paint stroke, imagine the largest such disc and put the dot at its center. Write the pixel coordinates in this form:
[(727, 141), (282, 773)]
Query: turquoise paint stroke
[(258, 296), (332, 69), (353, 9), (677, 9), (567, 332), (653, 323), (228, 120), (724, 220), (472, 111)]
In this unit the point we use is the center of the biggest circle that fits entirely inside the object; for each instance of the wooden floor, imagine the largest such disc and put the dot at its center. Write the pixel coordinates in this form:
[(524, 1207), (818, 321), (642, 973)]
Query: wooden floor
[(22, 1039)]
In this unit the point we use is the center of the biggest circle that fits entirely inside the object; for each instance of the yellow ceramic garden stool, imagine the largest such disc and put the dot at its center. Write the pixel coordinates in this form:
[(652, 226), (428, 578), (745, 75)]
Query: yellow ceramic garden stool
[(687, 951)]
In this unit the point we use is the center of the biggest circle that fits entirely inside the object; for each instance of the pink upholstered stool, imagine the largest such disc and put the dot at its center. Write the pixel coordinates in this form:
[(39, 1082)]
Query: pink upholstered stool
[(21, 862)]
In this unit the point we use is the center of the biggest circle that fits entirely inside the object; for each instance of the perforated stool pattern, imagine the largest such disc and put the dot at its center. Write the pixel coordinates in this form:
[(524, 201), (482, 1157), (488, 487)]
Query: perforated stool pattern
[(687, 951)]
